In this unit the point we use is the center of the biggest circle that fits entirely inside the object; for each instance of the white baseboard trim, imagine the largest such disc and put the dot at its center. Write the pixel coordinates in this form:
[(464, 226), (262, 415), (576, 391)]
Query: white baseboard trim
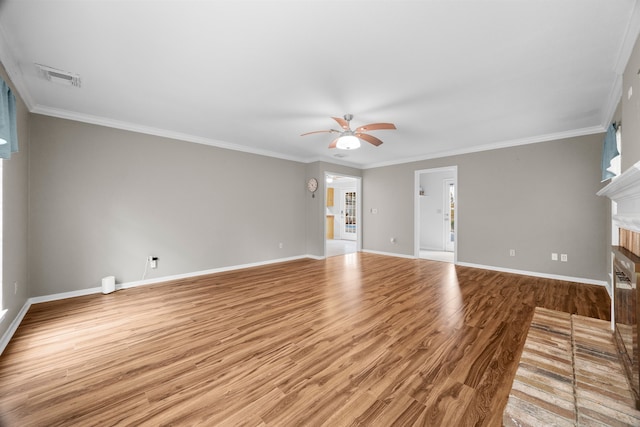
[(65, 295), (89, 291), (389, 254), (537, 274), (14, 326), (136, 283)]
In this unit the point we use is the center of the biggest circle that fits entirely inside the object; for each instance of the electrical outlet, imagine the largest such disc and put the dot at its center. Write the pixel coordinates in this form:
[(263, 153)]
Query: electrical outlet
[(153, 261), (563, 257), (280, 245), (554, 256), (15, 288), (512, 252)]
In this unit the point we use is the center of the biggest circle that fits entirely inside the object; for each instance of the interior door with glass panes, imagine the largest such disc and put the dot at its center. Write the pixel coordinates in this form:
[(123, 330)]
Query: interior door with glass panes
[(348, 214), (449, 215)]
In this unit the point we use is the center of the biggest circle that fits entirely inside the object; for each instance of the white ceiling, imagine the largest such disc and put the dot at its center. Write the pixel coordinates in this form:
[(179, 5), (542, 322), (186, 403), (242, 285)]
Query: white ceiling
[(454, 76)]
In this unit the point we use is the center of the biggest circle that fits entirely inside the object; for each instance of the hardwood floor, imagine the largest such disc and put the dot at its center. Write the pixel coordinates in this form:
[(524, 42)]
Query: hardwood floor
[(360, 339)]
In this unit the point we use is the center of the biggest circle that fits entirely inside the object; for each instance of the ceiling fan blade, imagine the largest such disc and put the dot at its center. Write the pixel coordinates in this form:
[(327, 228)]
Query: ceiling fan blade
[(342, 122), (334, 143), (370, 139), (376, 126), (321, 131)]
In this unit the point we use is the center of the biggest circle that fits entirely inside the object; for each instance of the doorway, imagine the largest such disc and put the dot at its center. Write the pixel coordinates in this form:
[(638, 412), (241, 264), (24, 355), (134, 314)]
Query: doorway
[(435, 216), (449, 210), (343, 214)]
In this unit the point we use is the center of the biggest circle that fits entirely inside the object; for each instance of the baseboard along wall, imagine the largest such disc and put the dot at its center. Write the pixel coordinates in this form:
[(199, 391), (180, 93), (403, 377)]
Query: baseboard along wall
[(96, 290)]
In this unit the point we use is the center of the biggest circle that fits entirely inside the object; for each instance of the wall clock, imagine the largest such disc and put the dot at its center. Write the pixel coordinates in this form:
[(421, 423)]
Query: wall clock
[(312, 186)]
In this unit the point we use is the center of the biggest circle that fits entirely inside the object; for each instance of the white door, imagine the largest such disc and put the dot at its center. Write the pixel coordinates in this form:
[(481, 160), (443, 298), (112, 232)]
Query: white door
[(448, 209), (348, 214)]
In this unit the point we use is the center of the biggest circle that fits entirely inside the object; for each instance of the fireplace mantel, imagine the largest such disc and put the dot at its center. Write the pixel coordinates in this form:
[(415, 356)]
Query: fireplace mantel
[(625, 191)]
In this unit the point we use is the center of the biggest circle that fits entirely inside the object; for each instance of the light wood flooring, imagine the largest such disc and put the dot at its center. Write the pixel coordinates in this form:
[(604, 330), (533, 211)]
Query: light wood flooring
[(360, 339)]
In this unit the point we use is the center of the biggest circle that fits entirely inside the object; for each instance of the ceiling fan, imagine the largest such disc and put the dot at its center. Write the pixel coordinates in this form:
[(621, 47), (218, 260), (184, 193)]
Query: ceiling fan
[(350, 140)]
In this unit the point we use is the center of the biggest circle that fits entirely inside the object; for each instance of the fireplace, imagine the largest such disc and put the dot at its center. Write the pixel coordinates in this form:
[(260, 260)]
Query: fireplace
[(624, 190), (626, 269)]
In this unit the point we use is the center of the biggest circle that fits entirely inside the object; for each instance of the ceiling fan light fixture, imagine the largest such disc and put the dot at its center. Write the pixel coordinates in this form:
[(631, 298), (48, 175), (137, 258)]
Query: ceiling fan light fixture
[(348, 142)]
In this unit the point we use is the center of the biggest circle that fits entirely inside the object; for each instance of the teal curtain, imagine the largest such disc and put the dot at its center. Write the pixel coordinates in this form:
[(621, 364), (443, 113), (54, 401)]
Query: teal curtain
[(8, 127), (609, 151)]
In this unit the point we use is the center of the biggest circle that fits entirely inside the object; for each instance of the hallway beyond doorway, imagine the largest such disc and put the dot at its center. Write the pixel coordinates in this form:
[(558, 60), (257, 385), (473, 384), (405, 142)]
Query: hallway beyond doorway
[(435, 214), (340, 247), (437, 255), (342, 206)]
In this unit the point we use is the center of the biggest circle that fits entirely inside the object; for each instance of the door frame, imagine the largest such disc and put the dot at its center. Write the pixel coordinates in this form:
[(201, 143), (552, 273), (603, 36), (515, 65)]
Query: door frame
[(358, 186), (416, 208), (445, 205)]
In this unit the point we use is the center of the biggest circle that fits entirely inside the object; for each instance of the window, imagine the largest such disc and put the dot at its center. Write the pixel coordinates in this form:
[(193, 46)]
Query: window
[(610, 152), (616, 162), (3, 311)]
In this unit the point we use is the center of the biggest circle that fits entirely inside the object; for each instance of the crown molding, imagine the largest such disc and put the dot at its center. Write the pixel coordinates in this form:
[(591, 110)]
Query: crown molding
[(493, 146), (333, 161), (149, 130)]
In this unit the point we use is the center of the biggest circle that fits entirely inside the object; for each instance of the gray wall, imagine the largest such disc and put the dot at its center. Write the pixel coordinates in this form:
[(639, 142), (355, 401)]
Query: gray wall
[(103, 199), (14, 211), (631, 111), (537, 199), (390, 191)]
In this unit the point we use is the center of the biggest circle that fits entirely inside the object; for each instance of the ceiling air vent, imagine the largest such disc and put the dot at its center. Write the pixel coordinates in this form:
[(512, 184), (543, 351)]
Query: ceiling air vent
[(58, 76)]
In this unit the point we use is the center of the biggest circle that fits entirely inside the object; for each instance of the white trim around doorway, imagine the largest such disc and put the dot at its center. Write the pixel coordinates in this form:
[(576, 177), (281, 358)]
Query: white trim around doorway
[(416, 208), (358, 186)]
